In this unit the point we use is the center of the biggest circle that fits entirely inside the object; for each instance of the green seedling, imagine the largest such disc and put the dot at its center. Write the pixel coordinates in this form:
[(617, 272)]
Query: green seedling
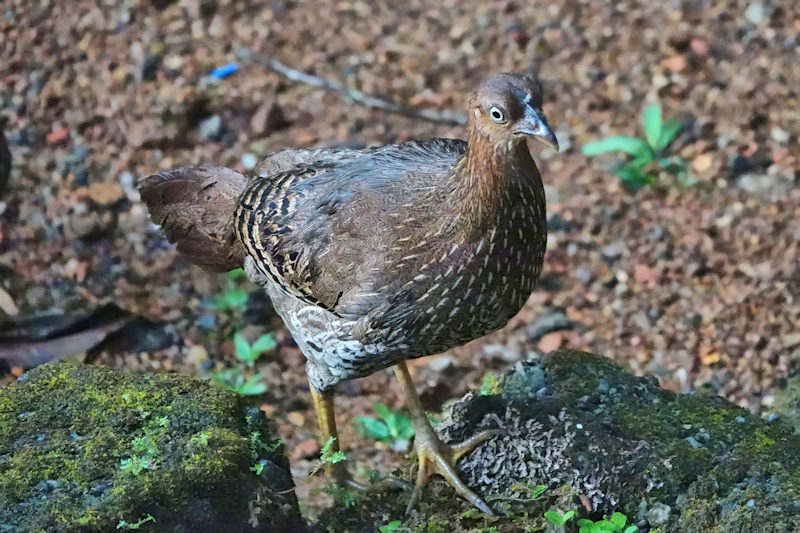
[(391, 527), (249, 354), (557, 518), (135, 525), (233, 297), (233, 378), (393, 427), (617, 523), (637, 171)]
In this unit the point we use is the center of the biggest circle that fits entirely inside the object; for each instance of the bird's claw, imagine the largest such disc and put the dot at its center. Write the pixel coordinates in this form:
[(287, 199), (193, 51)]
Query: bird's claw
[(436, 456)]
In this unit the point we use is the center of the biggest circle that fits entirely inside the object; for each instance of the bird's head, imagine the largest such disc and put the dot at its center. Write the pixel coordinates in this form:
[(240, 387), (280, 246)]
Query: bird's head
[(507, 108)]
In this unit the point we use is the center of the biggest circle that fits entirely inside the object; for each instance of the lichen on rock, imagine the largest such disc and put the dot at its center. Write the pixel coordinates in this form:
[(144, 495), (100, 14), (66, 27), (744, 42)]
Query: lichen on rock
[(87, 448), (602, 440)]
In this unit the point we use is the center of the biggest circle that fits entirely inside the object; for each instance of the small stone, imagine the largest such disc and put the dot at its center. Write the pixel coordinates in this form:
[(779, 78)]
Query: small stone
[(754, 12), (57, 135), (658, 514), (196, 355), (267, 119), (751, 503), (249, 161), (297, 418), (441, 363), (211, 127), (613, 251), (675, 63), (778, 135), (702, 162)]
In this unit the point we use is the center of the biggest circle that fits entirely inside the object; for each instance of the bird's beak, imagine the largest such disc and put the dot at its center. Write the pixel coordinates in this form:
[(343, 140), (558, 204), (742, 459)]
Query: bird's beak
[(535, 123)]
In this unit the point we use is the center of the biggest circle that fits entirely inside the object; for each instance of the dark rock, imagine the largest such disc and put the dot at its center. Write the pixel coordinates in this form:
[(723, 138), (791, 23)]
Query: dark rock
[(5, 162), (548, 323), (598, 437), (169, 446)]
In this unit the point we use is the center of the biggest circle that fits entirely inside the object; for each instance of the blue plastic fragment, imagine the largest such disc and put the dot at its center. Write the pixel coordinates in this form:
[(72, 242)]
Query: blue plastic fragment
[(224, 71)]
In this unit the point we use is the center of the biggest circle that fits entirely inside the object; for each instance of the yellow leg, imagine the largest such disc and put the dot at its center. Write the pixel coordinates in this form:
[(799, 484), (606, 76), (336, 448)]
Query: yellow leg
[(433, 454), (323, 405)]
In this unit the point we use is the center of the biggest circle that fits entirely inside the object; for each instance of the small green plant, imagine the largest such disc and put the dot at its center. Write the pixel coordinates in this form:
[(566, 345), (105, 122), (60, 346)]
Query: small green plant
[(557, 518), (258, 468), (636, 172), (136, 525), (233, 378), (135, 464), (617, 523), (249, 354), (327, 455), (233, 297), (395, 428), (390, 527)]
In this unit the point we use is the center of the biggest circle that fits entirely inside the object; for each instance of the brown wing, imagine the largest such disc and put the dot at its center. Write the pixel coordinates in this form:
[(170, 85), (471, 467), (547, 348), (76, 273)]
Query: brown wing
[(323, 231), (194, 207)]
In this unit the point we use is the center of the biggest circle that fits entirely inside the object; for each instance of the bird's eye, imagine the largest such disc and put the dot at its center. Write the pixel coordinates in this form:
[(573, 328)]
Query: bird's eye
[(497, 115)]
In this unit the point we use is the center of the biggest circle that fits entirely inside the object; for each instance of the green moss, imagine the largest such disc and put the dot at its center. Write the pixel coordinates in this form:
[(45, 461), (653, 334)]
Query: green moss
[(88, 446), (592, 432)]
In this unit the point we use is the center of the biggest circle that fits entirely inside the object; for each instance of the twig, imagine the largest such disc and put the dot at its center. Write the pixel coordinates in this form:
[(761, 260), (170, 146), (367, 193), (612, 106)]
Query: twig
[(349, 93)]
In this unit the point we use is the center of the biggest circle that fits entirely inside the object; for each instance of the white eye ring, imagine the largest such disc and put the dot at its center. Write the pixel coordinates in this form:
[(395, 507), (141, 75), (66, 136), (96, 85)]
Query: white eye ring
[(497, 115)]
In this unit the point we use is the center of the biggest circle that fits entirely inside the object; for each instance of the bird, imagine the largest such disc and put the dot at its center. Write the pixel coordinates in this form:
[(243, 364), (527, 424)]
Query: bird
[(379, 255)]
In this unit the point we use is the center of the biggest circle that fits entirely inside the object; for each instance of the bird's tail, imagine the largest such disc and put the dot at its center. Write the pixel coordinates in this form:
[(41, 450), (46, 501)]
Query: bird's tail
[(194, 206)]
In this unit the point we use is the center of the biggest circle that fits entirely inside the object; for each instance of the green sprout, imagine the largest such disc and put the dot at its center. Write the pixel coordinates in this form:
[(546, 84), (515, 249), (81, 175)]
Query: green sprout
[(249, 354), (233, 378), (617, 523), (136, 525), (637, 171), (394, 428), (327, 455), (233, 297), (135, 464), (557, 518), (390, 527)]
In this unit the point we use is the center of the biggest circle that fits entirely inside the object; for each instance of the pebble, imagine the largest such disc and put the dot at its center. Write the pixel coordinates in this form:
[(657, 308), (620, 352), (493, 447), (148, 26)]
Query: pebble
[(211, 127), (249, 161), (778, 135), (754, 12), (613, 251)]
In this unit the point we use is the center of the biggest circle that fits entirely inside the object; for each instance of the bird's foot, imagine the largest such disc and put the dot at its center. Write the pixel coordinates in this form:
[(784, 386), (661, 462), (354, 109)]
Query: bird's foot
[(437, 457)]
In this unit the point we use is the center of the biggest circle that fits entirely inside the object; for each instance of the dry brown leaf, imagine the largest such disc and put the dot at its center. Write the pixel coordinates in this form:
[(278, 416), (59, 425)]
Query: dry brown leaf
[(7, 304)]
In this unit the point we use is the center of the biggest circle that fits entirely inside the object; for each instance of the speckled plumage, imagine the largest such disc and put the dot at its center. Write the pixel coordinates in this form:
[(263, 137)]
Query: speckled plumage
[(383, 254)]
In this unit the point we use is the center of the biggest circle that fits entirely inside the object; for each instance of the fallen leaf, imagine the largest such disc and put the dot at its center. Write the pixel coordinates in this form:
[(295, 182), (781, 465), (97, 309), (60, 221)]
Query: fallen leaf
[(106, 193), (551, 341), (297, 418), (7, 304), (307, 448)]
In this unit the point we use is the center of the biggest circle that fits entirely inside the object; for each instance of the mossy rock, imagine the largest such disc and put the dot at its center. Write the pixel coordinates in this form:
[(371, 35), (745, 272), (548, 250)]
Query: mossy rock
[(87, 448), (599, 440), (787, 401)]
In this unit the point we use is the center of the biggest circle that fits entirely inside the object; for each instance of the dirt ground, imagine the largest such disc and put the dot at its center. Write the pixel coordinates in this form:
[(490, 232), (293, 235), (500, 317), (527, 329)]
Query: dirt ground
[(698, 285)]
